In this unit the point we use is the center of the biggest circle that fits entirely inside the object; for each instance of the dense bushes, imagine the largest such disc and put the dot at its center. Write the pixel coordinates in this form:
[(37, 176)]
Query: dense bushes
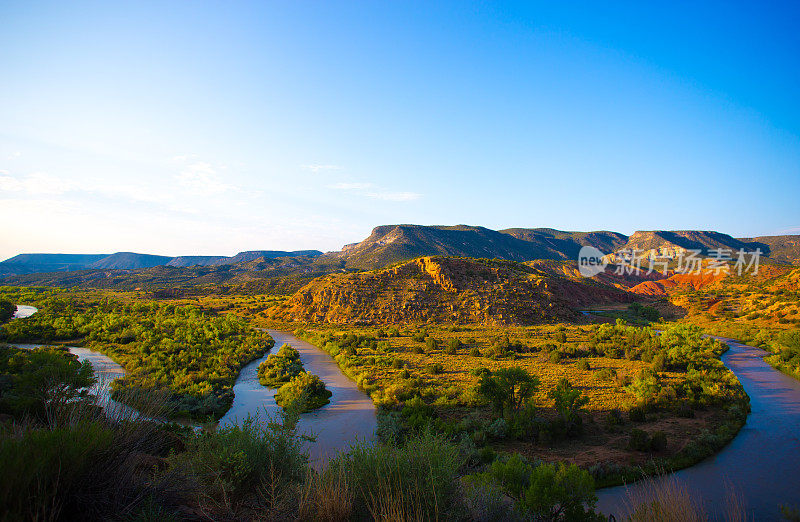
[(304, 392), (7, 310), (62, 458), (257, 462), (414, 481), (38, 382), (280, 368), (194, 355), (543, 491)]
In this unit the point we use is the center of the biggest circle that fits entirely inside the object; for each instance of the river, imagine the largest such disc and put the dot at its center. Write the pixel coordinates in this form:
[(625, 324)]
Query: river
[(349, 416), (762, 463)]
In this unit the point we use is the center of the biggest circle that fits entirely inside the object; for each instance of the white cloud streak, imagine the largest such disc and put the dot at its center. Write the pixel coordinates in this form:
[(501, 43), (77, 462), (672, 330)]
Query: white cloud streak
[(320, 168), (394, 196), (370, 190), (351, 186)]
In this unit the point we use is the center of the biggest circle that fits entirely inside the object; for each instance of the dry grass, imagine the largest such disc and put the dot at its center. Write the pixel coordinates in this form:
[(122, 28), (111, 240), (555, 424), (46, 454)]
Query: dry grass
[(663, 499), (667, 499), (326, 497)]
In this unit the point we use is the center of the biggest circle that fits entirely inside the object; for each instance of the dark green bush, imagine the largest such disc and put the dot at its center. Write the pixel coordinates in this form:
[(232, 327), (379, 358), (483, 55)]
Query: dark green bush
[(431, 344), (236, 465), (639, 440), (614, 417), (658, 441), (452, 346), (435, 368), (637, 414)]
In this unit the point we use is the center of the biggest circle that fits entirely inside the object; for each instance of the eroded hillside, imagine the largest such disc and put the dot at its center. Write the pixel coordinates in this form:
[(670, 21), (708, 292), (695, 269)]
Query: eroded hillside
[(444, 289)]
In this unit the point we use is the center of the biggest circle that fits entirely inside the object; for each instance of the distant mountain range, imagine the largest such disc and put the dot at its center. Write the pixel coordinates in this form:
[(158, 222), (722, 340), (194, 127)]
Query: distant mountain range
[(392, 244), (34, 263)]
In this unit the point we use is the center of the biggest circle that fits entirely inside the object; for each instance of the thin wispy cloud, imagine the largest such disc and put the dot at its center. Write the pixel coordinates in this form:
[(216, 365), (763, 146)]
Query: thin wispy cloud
[(34, 184), (320, 168), (201, 178), (370, 190), (351, 186), (394, 196)]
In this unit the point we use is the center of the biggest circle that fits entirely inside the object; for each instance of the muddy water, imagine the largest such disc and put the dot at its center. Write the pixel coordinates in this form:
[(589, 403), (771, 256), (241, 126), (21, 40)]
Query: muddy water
[(349, 416), (762, 463)]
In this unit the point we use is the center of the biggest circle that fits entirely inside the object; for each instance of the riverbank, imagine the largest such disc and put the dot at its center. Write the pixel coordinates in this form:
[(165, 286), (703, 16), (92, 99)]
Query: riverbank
[(349, 417), (761, 462)]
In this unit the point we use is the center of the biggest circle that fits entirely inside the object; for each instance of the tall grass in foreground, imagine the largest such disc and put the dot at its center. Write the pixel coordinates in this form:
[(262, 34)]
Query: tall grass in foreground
[(411, 482), (667, 499), (79, 461), (241, 470)]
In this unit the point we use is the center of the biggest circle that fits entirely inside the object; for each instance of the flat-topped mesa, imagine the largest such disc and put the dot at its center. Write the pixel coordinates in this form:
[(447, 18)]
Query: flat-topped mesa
[(674, 243), (446, 290)]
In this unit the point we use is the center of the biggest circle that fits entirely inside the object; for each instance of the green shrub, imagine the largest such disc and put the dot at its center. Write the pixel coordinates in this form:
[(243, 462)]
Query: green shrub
[(41, 381), (89, 469), (452, 346), (543, 491), (237, 464), (419, 336), (614, 417), (507, 389), (475, 352), (583, 364), (637, 414), (560, 492), (685, 410), (658, 441), (605, 374), (280, 368), (7, 310), (415, 481), (431, 344), (569, 401), (435, 368), (555, 356), (639, 440), (305, 392)]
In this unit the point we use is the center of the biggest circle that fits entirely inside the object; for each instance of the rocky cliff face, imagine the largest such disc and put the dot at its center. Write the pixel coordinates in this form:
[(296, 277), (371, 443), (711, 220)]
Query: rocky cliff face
[(442, 289)]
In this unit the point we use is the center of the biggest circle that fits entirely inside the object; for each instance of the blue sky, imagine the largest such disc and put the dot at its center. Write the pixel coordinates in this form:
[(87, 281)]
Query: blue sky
[(210, 128)]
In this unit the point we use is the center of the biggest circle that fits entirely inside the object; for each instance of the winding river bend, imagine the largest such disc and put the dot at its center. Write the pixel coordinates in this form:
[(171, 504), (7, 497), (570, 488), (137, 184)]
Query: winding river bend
[(349, 416), (762, 463)]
